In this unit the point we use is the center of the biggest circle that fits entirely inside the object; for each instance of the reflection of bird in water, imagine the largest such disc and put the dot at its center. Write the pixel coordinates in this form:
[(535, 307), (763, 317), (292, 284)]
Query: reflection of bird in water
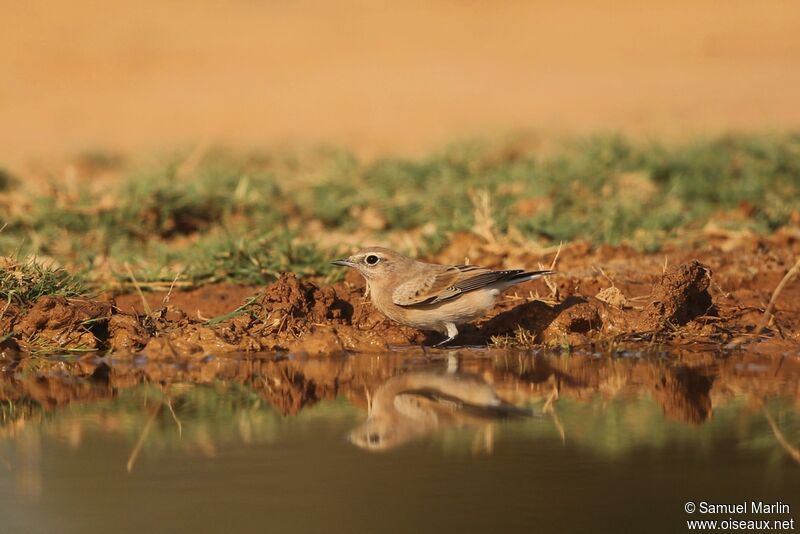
[(412, 405)]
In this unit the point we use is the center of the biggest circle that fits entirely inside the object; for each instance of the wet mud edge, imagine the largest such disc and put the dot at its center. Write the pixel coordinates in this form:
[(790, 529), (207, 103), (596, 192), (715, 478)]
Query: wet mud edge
[(683, 303)]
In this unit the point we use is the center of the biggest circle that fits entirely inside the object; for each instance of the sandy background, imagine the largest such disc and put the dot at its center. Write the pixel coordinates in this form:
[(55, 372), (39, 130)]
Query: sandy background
[(387, 76)]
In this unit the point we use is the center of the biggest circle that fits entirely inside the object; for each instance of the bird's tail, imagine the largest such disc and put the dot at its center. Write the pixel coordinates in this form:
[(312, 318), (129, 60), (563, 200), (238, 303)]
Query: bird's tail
[(528, 275)]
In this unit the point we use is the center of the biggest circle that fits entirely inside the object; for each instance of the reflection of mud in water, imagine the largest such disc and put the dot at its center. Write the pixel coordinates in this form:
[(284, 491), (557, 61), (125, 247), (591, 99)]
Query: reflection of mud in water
[(412, 405), (683, 393), (610, 404)]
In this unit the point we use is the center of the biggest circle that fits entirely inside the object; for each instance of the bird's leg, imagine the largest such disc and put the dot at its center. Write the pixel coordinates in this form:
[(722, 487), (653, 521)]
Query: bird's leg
[(452, 332), (443, 342)]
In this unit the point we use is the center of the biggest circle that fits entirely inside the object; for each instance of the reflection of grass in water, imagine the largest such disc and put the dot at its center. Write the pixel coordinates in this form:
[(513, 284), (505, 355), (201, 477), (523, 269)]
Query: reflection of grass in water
[(618, 426), (205, 417), (12, 411), (243, 217), (208, 416), (330, 410)]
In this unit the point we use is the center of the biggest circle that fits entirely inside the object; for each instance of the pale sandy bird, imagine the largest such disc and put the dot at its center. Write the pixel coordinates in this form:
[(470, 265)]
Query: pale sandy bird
[(428, 296)]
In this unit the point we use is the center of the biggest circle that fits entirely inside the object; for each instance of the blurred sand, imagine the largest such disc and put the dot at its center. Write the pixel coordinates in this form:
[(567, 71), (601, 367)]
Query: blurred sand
[(387, 76)]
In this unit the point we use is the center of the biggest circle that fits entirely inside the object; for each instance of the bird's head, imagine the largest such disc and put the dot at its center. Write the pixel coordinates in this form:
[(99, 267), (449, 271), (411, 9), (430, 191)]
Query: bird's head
[(376, 263)]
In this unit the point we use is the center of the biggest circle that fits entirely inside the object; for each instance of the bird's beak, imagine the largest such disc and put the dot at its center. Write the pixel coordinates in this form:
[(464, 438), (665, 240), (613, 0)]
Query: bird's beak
[(343, 263)]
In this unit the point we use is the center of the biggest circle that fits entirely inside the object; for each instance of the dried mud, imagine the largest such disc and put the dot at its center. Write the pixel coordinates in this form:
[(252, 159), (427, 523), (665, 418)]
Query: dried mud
[(606, 296)]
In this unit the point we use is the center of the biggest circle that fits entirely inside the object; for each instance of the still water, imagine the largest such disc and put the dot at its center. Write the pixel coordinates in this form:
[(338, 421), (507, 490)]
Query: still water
[(456, 442)]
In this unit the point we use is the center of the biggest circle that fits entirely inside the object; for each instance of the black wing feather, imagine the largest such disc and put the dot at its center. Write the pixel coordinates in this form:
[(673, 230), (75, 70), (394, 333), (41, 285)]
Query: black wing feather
[(485, 279)]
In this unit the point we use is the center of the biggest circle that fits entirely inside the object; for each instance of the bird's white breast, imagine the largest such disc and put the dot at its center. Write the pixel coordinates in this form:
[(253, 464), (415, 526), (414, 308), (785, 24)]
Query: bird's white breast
[(460, 310)]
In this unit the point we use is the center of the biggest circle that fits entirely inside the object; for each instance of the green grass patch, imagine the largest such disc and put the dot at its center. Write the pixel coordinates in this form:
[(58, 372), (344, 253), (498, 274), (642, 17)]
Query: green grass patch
[(244, 217), (24, 282)]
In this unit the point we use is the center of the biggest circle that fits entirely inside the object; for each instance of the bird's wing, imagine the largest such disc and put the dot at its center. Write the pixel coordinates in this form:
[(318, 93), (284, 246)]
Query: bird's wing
[(426, 285), (446, 283)]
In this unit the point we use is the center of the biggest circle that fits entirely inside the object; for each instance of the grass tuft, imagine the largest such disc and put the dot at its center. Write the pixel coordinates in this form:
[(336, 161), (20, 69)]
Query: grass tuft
[(24, 282)]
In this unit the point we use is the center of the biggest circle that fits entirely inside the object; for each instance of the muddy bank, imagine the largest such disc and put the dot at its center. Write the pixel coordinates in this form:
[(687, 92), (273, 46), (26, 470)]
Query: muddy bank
[(600, 297)]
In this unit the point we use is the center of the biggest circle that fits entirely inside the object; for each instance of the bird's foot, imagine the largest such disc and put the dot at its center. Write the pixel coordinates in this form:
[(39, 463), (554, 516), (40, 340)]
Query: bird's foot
[(451, 334), (445, 341)]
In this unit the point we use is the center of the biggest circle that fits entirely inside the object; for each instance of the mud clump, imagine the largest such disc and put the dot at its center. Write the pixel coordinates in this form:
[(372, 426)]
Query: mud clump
[(10, 313), (54, 324), (60, 322), (291, 300), (197, 339), (302, 316), (681, 296), (575, 323), (126, 333)]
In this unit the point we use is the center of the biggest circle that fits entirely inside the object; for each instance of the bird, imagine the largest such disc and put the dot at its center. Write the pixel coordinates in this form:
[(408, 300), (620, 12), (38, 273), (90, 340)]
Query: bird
[(429, 296)]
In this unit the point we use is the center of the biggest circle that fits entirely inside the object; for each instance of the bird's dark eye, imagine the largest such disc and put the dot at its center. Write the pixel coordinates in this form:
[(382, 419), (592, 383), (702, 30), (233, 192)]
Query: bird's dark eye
[(372, 259)]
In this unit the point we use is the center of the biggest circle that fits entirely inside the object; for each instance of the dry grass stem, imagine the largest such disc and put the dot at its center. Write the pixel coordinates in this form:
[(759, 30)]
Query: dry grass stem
[(771, 306), (145, 305)]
